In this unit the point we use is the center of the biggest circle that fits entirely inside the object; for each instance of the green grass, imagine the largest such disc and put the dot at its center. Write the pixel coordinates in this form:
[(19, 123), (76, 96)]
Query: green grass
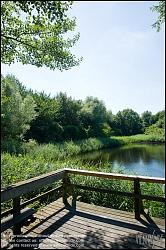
[(58, 151), (140, 138)]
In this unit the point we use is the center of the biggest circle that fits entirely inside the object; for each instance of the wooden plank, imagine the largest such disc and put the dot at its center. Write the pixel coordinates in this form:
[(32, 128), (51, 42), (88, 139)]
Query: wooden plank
[(63, 230), (66, 184), (80, 229), (77, 223), (102, 190), (78, 219), (115, 176), (137, 200), (152, 198), (49, 212), (24, 187), (102, 212), (122, 216), (24, 204), (41, 196), (76, 229), (7, 212), (89, 205), (16, 215), (29, 185), (10, 221), (91, 238), (90, 222), (107, 211)]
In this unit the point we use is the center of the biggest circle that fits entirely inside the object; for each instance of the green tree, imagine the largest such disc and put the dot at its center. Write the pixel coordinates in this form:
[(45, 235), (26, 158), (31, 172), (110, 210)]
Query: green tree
[(159, 116), (111, 122), (147, 119), (160, 9), (35, 32), (45, 127), (158, 126), (69, 116), (17, 113), (128, 122), (93, 115), (58, 118)]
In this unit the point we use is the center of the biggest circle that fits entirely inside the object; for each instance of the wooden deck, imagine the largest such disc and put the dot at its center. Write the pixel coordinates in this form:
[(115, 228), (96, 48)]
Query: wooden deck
[(87, 226), (67, 223)]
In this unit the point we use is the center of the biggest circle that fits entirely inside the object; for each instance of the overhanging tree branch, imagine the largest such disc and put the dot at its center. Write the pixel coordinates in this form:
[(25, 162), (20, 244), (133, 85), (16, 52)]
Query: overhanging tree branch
[(19, 41)]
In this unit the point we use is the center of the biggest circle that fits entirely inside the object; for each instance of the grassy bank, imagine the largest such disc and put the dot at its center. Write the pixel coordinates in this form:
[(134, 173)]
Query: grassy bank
[(58, 151), (141, 138), (38, 159)]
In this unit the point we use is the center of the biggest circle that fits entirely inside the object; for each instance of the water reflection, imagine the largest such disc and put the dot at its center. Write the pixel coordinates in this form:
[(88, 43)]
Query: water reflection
[(139, 159)]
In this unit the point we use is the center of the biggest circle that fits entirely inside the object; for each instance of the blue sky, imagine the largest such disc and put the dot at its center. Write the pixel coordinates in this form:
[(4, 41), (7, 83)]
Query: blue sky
[(123, 58)]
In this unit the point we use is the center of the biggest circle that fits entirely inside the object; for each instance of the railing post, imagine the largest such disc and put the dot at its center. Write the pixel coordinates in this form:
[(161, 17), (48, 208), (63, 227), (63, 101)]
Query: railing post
[(16, 212), (66, 185), (138, 206)]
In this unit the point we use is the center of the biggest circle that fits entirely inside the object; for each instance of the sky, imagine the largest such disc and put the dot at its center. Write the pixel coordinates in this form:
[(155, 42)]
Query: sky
[(123, 58)]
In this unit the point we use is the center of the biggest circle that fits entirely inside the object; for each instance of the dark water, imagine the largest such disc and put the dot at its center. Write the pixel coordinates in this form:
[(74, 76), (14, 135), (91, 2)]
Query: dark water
[(139, 159)]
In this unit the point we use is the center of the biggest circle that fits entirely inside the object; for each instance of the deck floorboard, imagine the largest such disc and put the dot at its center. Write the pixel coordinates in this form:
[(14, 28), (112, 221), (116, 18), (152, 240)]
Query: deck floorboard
[(87, 226)]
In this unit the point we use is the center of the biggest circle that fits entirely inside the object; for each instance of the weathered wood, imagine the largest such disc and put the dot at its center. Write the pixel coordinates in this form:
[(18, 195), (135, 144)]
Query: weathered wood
[(16, 215), (17, 190), (41, 196), (81, 230), (10, 221), (102, 190), (137, 204), (56, 210), (24, 204), (115, 176), (128, 194), (32, 184), (152, 198), (65, 184), (79, 221), (78, 224), (7, 212)]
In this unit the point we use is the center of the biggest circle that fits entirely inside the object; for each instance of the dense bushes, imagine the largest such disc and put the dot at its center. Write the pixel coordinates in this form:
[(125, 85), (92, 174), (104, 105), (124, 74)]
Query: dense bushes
[(36, 116)]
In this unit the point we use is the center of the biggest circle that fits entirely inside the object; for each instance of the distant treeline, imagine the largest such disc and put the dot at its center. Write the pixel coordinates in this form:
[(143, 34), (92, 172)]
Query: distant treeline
[(26, 114)]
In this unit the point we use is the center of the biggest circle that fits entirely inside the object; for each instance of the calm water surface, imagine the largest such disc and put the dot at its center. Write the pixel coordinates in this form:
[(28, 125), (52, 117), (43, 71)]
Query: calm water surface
[(139, 159)]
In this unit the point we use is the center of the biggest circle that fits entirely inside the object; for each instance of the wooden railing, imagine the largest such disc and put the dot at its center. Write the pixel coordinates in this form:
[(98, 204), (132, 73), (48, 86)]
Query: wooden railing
[(15, 191), (138, 197)]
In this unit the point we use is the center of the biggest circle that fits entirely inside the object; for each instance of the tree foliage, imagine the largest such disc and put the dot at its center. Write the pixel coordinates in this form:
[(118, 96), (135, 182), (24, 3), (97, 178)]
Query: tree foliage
[(16, 112), (147, 119), (37, 117), (160, 9), (35, 32), (128, 122), (93, 115)]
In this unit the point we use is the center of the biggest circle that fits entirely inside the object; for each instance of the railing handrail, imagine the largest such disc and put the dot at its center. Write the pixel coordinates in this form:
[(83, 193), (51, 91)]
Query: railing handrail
[(23, 187), (115, 176)]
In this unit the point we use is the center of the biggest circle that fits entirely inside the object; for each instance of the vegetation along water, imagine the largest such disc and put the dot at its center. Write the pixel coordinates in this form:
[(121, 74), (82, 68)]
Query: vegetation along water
[(42, 133)]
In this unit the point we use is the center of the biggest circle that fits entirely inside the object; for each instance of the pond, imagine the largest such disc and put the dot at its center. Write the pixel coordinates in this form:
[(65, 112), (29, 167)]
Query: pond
[(138, 159)]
